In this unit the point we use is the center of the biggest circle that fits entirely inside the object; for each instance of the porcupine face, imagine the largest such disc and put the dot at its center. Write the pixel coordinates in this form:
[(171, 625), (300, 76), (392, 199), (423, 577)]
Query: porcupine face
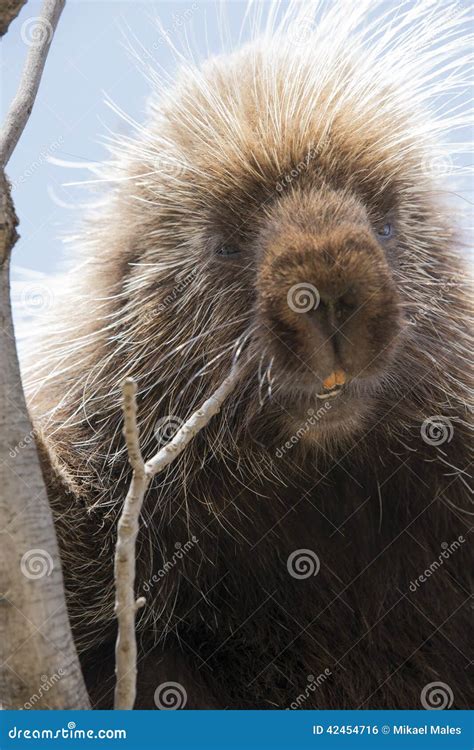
[(302, 217), (326, 295), (326, 306)]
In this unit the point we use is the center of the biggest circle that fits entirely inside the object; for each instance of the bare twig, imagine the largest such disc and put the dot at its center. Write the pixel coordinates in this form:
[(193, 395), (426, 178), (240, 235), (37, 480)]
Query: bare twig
[(125, 604), (125, 557), (20, 109)]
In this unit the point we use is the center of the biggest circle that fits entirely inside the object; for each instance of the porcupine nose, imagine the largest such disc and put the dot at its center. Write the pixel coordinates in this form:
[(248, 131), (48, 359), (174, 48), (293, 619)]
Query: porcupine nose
[(337, 304), (332, 310), (332, 302), (333, 322)]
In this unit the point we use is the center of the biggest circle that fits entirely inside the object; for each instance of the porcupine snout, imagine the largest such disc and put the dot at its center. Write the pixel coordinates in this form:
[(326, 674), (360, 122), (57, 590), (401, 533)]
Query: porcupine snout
[(326, 290)]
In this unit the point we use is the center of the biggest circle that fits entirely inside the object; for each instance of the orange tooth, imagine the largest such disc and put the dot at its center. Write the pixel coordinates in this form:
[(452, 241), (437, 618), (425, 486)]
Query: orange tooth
[(330, 381), (335, 378)]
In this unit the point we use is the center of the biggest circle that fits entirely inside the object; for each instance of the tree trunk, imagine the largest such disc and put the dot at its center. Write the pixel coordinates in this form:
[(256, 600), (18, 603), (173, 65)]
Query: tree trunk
[(40, 668)]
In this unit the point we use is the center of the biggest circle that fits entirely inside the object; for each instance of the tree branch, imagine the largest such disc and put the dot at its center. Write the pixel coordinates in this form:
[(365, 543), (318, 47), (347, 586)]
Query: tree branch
[(128, 526), (20, 109), (125, 604)]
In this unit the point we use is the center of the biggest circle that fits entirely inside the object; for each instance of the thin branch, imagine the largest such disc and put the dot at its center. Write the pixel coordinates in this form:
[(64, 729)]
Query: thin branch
[(130, 429), (189, 430), (20, 109), (128, 526), (125, 604)]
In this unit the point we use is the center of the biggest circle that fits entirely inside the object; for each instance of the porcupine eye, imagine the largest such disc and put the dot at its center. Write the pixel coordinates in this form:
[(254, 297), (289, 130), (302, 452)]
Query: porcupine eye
[(386, 231), (228, 249)]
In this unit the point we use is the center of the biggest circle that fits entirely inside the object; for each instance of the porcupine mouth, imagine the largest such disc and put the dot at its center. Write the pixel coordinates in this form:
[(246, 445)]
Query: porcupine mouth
[(326, 411), (307, 388), (333, 387), (333, 392)]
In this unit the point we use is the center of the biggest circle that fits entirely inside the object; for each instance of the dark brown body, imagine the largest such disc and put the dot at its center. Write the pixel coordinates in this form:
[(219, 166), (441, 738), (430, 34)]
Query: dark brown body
[(244, 634)]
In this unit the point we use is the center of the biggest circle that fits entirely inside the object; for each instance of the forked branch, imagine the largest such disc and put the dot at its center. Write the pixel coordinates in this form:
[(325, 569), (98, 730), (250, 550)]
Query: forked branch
[(125, 555)]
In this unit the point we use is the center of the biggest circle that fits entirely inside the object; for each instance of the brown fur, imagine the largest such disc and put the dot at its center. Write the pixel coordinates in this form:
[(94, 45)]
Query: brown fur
[(360, 487)]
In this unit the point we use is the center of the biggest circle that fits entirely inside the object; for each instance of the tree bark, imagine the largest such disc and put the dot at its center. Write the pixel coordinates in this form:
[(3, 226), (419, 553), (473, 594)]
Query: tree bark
[(39, 667), (8, 12)]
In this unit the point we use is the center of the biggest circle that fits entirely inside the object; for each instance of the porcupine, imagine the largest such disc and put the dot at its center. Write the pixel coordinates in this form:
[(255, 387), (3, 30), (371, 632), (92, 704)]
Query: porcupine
[(277, 210)]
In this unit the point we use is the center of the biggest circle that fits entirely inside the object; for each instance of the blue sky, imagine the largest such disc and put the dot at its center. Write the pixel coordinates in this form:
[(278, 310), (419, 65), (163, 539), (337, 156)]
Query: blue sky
[(87, 61)]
